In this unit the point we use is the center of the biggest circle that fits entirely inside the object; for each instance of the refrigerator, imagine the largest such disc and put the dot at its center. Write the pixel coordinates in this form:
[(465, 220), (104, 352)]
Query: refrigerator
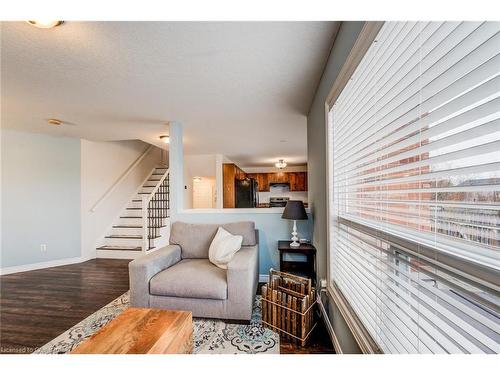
[(247, 193)]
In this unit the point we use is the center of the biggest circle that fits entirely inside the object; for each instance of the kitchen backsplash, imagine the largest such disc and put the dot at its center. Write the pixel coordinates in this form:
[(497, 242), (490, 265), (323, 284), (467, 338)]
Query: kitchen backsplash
[(294, 195)]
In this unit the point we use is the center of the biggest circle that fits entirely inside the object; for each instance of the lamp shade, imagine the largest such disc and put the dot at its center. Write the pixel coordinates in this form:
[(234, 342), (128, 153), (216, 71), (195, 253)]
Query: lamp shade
[(294, 210)]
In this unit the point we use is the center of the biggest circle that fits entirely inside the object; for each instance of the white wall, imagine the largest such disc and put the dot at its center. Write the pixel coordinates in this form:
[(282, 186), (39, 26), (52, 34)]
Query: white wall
[(102, 164), (203, 165), (40, 193)]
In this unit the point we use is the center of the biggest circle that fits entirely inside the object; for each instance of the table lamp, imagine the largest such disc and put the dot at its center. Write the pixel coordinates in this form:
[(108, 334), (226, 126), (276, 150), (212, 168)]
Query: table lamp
[(294, 210)]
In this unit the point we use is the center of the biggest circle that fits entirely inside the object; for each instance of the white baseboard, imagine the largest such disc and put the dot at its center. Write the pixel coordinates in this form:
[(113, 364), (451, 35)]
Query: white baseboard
[(37, 266), (263, 278)]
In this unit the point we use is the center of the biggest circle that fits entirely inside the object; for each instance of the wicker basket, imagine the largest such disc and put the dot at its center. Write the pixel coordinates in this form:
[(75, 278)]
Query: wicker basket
[(287, 305)]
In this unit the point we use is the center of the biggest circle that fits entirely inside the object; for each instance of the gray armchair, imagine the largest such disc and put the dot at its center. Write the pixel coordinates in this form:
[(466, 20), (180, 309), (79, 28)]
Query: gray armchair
[(180, 276)]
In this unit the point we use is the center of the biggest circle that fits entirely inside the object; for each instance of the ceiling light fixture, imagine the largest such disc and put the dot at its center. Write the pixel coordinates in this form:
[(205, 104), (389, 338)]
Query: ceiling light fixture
[(54, 121), (197, 179), (280, 164), (165, 138), (45, 24)]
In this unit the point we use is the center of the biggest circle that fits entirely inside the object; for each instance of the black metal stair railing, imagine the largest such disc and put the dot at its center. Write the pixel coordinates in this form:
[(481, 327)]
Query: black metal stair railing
[(158, 210)]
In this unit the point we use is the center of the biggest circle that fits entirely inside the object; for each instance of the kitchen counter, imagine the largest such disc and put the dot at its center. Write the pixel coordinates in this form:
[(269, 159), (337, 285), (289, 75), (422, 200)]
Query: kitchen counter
[(266, 205)]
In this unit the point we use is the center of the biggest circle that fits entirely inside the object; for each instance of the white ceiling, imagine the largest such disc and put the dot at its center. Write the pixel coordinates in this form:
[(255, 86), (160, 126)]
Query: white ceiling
[(242, 89)]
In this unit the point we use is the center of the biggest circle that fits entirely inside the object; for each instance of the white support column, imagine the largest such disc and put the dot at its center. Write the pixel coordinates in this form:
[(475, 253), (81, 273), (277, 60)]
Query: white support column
[(176, 168), (219, 159)]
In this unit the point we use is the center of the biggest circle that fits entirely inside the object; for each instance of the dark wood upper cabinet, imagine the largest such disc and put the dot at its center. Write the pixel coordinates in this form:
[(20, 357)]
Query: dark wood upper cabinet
[(298, 181), (279, 177), (263, 181)]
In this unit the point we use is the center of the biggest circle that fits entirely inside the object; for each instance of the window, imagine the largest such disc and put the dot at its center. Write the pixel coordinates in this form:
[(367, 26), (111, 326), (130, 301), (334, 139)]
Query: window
[(414, 181)]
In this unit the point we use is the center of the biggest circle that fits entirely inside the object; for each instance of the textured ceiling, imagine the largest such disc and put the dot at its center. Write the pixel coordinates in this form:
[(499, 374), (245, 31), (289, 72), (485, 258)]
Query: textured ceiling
[(241, 89)]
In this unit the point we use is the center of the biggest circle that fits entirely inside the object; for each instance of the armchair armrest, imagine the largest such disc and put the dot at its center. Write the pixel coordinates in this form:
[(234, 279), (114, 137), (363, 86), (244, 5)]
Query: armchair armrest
[(142, 269), (242, 279)]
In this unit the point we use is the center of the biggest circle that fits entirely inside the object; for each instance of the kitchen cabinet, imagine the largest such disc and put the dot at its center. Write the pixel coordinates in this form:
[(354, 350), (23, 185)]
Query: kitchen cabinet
[(230, 173), (279, 177), (261, 179), (298, 181), (240, 174), (228, 177)]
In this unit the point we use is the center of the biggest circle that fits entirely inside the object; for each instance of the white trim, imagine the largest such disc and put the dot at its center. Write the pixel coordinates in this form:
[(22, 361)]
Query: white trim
[(263, 278), (41, 265), (328, 324)]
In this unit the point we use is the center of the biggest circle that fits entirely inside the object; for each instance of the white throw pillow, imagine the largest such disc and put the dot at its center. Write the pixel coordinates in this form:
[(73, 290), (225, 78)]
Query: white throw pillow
[(223, 247)]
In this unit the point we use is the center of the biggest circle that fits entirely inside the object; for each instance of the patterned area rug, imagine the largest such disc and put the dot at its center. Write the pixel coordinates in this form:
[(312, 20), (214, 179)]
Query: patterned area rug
[(210, 336)]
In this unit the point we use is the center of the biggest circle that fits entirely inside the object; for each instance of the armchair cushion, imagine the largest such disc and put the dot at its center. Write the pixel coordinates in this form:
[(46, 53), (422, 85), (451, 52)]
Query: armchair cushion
[(191, 278), (142, 269)]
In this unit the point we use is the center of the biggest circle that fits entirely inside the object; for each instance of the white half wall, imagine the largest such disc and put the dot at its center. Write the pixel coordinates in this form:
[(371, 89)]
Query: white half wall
[(102, 164)]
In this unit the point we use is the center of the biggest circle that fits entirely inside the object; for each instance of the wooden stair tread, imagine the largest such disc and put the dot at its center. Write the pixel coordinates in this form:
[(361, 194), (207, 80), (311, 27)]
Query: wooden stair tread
[(129, 236), (125, 236), (127, 248), (140, 217), (134, 226)]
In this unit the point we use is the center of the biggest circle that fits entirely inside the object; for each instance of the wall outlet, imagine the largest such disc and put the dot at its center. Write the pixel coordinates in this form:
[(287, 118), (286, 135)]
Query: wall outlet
[(43, 248)]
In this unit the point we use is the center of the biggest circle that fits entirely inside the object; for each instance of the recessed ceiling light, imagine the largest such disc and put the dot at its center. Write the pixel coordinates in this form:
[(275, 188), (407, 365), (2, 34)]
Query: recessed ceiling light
[(165, 138), (54, 121), (280, 164), (45, 24)]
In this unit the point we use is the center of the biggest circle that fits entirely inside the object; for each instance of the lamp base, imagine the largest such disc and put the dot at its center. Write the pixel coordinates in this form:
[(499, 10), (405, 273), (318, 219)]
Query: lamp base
[(294, 235)]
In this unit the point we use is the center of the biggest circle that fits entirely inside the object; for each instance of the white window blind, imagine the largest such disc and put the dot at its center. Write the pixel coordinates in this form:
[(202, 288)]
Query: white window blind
[(414, 153)]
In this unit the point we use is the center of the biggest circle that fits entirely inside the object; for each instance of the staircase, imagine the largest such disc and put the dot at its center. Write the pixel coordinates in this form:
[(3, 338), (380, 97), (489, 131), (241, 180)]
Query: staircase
[(144, 224)]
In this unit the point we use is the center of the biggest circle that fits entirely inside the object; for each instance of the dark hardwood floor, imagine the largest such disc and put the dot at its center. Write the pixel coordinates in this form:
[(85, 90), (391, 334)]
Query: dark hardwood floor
[(37, 306)]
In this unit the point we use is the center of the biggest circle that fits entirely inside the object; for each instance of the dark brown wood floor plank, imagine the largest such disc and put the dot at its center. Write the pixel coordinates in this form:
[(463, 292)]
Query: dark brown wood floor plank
[(37, 306)]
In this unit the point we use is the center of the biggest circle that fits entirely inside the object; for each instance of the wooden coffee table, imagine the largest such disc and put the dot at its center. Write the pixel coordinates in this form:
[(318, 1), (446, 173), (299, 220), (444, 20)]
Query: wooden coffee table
[(142, 331)]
